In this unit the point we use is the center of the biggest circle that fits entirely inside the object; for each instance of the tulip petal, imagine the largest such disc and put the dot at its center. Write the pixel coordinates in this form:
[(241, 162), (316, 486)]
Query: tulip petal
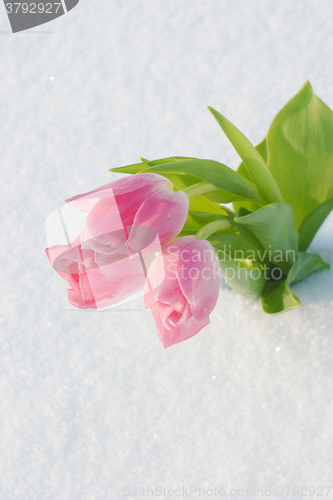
[(171, 297), (104, 218), (167, 214), (76, 299), (173, 319), (178, 333), (73, 281), (127, 287), (137, 186), (199, 277), (162, 277), (156, 281), (165, 309), (121, 269), (186, 314)]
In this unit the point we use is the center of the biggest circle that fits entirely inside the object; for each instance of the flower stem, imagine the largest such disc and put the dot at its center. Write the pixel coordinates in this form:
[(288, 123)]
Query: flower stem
[(213, 227), (200, 188)]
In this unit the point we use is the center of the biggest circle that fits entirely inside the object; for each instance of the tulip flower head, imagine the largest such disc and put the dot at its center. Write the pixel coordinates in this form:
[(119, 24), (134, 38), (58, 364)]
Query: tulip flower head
[(182, 302)]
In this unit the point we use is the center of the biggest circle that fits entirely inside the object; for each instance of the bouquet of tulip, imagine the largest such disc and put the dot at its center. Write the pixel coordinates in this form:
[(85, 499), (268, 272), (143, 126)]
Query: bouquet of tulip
[(165, 229)]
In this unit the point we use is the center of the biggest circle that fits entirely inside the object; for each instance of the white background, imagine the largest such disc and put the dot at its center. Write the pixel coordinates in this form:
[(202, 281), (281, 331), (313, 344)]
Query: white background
[(90, 402)]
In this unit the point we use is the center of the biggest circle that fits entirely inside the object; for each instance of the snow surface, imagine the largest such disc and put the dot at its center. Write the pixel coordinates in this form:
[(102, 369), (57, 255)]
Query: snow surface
[(90, 402)]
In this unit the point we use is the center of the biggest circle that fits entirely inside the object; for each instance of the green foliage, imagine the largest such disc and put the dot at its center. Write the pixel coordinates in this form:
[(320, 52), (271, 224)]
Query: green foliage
[(246, 278), (253, 161), (196, 220), (312, 223), (274, 229), (281, 299), (250, 205), (237, 245), (306, 263), (300, 152)]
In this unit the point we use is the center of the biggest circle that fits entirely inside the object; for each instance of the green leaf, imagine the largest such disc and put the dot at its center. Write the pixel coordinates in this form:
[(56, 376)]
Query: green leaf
[(212, 172), (202, 204), (300, 152), (312, 223), (307, 263), (281, 298), (185, 233), (246, 278), (171, 159), (273, 226), (195, 220), (220, 196), (181, 181), (253, 161), (207, 217), (251, 205), (135, 168), (262, 150), (237, 246), (247, 232)]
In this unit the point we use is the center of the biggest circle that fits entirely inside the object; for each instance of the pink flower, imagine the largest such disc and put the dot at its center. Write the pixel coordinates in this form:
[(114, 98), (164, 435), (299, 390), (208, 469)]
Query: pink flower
[(181, 304), (132, 216), (97, 286), (137, 200)]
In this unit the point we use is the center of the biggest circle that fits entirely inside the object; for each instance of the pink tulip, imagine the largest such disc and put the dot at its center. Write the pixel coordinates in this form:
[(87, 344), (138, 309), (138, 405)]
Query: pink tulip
[(137, 200), (133, 215), (182, 303), (94, 286)]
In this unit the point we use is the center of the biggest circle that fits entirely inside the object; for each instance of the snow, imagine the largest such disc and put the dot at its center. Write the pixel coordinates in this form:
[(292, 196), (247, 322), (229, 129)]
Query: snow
[(90, 402)]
